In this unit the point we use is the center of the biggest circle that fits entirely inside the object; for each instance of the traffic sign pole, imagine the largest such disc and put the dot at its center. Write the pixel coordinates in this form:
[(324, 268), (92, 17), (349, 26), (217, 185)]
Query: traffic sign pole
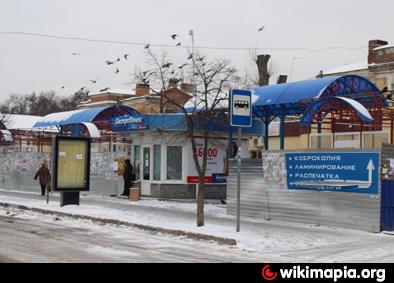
[(240, 103), (239, 180)]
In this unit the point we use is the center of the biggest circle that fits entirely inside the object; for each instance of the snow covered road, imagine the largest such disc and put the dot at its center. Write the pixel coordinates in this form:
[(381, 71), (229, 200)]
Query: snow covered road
[(258, 241), (32, 237)]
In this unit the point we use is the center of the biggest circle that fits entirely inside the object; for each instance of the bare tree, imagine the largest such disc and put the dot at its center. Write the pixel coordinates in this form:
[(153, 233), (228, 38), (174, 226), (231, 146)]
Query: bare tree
[(213, 80), (42, 104), (3, 120), (159, 74)]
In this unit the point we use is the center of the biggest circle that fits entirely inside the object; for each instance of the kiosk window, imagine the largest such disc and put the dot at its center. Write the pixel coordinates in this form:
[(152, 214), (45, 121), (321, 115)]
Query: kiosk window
[(156, 161), (174, 162), (137, 161)]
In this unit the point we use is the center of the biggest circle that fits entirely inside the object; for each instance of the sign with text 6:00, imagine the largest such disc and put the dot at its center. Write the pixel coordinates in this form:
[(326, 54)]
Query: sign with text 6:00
[(216, 162)]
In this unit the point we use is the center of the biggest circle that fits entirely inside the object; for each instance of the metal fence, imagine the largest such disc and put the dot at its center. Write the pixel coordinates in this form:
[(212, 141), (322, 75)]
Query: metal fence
[(17, 171), (264, 195)]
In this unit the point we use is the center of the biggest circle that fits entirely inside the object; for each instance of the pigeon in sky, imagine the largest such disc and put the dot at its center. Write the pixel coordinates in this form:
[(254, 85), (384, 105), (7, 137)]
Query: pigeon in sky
[(75, 53), (82, 88), (201, 58), (94, 81), (261, 28), (109, 62), (104, 89), (178, 44), (174, 36), (125, 56), (116, 71), (166, 65), (117, 60), (183, 65), (62, 87), (190, 56), (147, 46)]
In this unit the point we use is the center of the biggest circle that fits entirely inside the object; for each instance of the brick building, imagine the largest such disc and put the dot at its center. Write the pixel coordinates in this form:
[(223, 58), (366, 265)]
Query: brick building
[(378, 66), (142, 99)]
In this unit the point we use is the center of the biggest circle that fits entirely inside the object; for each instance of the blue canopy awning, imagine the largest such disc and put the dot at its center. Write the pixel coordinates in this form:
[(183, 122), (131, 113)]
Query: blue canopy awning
[(293, 98), (84, 115)]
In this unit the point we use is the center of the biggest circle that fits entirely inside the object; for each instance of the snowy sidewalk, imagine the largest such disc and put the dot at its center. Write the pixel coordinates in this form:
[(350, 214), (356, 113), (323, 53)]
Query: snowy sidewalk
[(276, 241)]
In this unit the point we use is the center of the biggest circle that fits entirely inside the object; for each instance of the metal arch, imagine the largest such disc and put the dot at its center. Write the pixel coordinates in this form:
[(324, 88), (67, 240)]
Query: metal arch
[(350, 85), (329, 104)]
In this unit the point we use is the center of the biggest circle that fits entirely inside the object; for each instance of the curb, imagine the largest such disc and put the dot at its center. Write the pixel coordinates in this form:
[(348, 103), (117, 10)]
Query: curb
[(191, 235)]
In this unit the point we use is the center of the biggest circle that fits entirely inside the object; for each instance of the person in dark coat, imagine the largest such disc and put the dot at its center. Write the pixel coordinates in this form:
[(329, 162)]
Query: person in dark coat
[(44, 177), (128, 177)]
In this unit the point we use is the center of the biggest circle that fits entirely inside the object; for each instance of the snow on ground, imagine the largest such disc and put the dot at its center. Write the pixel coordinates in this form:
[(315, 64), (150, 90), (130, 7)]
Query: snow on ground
[(40, 237), (297, 242)]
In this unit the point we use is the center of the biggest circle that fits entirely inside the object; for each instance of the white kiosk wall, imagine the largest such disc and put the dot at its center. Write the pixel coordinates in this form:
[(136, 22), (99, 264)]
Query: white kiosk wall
[(167, 158)]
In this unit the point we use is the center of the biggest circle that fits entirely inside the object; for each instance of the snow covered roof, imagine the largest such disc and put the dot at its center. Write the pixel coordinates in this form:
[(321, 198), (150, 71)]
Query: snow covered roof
[(198, 103), (83, 115), (20, 122), (115, 91), (348, 68), (97, 103), (383, 47)]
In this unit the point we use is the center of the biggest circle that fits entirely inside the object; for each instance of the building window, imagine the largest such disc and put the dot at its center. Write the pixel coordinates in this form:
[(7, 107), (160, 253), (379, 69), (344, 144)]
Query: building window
[(156, 162), (137, 161), (174, 162)]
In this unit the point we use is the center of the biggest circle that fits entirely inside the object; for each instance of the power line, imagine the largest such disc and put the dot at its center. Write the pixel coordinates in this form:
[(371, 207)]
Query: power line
[(182, 46)]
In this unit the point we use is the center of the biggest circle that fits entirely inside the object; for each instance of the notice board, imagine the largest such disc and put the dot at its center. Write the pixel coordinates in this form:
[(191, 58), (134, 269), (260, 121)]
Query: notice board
[(72, 164)]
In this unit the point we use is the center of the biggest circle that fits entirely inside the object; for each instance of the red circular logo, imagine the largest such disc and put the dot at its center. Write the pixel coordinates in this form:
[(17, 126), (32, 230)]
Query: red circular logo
[(268, 274)]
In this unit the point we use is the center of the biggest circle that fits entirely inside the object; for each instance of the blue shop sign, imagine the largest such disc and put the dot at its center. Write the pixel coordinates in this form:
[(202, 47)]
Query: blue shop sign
[(356, 172), (129, 123)]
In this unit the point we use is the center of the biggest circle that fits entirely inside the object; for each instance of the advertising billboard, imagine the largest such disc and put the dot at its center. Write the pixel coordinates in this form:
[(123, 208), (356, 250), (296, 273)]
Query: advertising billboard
[(71, 168)]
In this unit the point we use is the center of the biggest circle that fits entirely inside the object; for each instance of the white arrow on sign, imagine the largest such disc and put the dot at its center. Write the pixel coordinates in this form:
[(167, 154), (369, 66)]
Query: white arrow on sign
[(370, 168)]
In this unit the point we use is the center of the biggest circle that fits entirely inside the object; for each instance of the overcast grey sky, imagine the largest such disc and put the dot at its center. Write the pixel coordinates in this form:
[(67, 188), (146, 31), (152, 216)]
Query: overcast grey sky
[(39, 64)]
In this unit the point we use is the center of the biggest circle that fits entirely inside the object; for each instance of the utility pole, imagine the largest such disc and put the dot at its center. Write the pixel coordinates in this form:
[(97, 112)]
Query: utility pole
[(191, 33)]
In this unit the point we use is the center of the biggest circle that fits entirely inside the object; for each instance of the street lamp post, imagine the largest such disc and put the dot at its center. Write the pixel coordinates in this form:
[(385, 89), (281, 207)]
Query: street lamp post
[(292, 68)]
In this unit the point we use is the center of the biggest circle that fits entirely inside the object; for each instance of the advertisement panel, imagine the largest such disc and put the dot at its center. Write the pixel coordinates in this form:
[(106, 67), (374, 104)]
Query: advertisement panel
[(356, 172), (71, 170), (217, 167)]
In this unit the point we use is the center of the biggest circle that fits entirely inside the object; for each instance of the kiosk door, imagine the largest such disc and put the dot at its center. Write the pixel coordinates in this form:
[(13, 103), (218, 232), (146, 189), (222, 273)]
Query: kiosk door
[(146, 170)]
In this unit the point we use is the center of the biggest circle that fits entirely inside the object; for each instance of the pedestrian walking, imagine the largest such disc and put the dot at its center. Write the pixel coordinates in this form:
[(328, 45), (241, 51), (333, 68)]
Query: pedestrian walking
[(44, 177), (128, 177)]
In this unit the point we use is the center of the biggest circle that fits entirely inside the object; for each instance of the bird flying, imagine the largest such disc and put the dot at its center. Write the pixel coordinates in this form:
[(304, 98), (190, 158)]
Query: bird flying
[(190, 56), (178, 44), (104, 89), (261, 28), (147, 46), (109, 62), (125, 56), (174, 36), (166, 65), (116, 71), (94, 81)]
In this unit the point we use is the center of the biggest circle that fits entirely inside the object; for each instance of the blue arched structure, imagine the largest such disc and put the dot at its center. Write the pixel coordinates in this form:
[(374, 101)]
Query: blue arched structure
[(312, 99), (101, 117)]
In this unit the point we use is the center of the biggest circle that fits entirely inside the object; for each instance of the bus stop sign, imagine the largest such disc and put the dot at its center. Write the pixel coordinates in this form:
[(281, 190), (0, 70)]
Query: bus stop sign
[(240, 108)]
